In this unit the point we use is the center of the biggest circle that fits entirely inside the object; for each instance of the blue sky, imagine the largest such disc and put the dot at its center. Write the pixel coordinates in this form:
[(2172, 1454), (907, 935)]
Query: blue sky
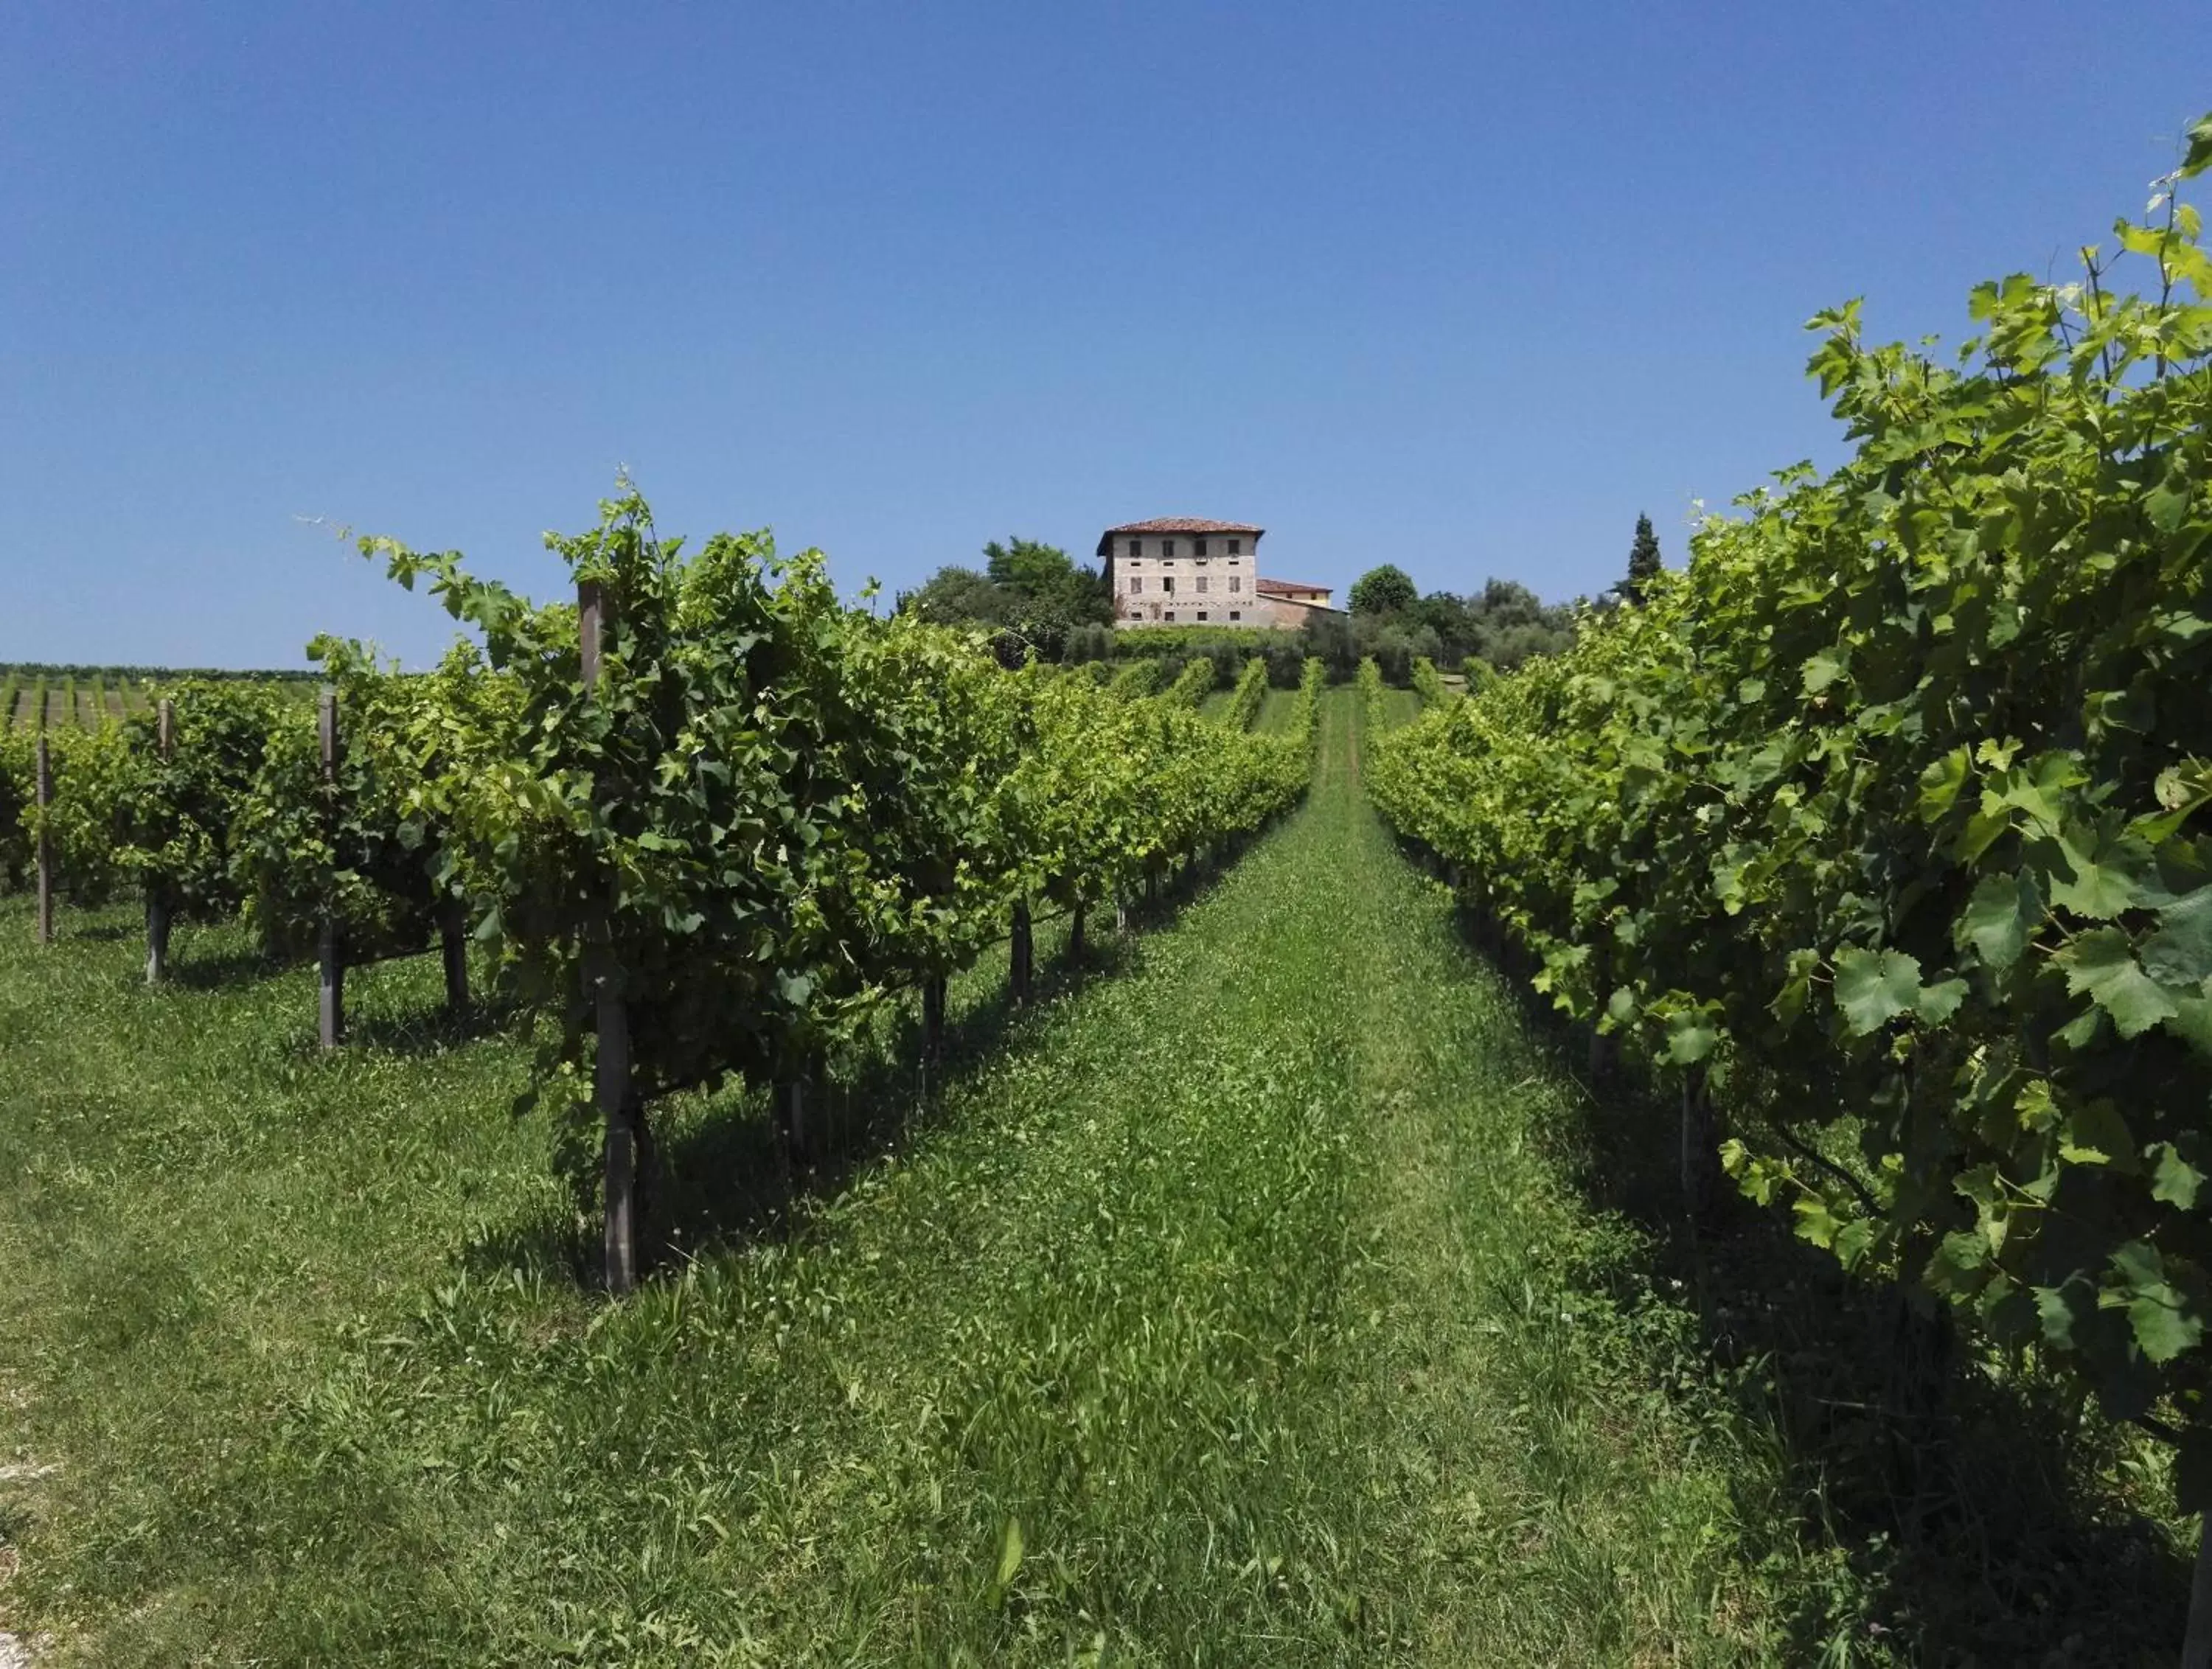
[(1461, 287)]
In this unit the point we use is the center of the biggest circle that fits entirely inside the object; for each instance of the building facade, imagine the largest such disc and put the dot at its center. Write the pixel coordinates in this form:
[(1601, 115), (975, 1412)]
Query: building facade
[(1285, 605), (1186, 571)]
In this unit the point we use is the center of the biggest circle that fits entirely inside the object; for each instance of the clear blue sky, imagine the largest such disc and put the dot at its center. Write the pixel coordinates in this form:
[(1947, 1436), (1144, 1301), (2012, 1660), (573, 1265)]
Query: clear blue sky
[(1461, 287)]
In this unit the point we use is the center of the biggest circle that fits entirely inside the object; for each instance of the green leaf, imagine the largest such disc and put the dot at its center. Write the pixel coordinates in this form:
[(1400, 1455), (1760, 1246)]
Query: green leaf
[(2101, 965), (2167, 503), (2035, 1106), (2199, 157), (1010, 1554), (2105, 877), (1999, 918), (1940, 783), (1823, 669), (2161, 1327), (2174, 1179), (1874, 987), (2191, 1021), (2162, 1323), (1939, 1002), (2180, 952), (1690, 1037), (2061, 1307), (2096, 1134)]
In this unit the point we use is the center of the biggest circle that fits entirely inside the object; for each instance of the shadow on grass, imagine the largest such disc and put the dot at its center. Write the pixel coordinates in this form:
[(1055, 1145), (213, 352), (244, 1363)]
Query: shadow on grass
[(1980, 1516), (196, 969), (436, 1027), (722, 1176)]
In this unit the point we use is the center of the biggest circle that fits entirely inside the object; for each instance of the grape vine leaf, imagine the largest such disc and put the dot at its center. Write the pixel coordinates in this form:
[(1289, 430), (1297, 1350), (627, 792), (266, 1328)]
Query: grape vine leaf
[(1939, 1002), (2101, 965), (1940, 785), (1822, 669), (1690, 1037), (2096, 1134), (2162, 1324), (1874, 987), (1998, 920), (2174, 1179), (2107, 878), (2180, 952)]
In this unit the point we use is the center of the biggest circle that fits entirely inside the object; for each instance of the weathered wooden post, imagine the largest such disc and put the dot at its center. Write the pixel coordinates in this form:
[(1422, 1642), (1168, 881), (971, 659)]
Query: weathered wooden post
[(1599, 1043), (610, 1085), (1075, 932), (453, 948), (43, 790), (1121, 911), (1696, 1140), (793, 1116), (2196, 1643), (334, 971), (933, 1021), (157, 897), (1021, 959)]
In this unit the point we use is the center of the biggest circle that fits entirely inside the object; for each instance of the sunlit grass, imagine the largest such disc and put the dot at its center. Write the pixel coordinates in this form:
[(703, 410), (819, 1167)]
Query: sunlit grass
[(1231, 1308)]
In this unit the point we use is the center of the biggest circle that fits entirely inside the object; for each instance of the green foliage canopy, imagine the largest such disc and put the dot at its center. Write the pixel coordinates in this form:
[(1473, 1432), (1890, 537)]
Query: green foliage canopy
[(1385, 589), (1888, 815)]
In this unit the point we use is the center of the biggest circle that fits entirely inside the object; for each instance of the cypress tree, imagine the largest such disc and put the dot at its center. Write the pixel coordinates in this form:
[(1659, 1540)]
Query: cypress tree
[(1644, 563)]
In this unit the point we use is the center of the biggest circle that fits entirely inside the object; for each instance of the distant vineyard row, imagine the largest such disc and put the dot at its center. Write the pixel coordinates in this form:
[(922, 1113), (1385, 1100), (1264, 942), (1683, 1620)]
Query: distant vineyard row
[(34, 695), (709, 818)]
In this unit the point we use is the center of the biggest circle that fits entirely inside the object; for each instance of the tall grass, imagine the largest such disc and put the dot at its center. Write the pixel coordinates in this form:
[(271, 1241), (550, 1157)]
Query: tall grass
[(1237, 1304)]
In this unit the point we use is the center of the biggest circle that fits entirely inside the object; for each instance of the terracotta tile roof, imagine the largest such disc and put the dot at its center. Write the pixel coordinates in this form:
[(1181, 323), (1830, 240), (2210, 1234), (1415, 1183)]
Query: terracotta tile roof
[(1285, 587), (1173, 525), (1183, 524)]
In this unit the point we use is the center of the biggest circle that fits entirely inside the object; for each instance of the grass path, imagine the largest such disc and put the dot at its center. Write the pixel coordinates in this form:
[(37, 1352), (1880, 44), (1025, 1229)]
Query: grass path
[(1235, 1310)]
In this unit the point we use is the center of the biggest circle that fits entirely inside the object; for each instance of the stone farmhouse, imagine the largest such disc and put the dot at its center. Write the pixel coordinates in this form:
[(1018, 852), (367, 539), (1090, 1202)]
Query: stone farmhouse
[(1186, 571)]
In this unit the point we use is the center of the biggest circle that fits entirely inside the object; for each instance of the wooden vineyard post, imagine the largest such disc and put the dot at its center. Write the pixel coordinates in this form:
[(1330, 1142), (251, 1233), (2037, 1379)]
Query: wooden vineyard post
[(44, 790), (1121, 911), (1075, 932), (610, 1085), (157, 899), (1022, 958), (2197, 1643), (791, 1106), (1697, 1141), (453, 948), (933, 1021), (333, 972), (1601, 1046), (611, 1094)]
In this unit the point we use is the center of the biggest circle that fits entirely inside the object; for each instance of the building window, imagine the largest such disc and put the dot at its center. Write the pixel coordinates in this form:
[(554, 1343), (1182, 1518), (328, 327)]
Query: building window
[(1167, 584), (1201, 614), (1198, 546), (1236, 583), (1136, 584), (1170, 613), (1237, 614), (1136, 547), (1167, 547), (1201, 582), (1237, 546)]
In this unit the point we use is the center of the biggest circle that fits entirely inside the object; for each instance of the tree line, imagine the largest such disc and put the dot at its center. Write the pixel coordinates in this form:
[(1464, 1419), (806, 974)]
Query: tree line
[(1039, 603)]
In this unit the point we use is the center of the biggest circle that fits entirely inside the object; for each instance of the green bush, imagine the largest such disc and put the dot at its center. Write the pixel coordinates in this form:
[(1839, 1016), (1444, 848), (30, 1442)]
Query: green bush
[(1885, 821)]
